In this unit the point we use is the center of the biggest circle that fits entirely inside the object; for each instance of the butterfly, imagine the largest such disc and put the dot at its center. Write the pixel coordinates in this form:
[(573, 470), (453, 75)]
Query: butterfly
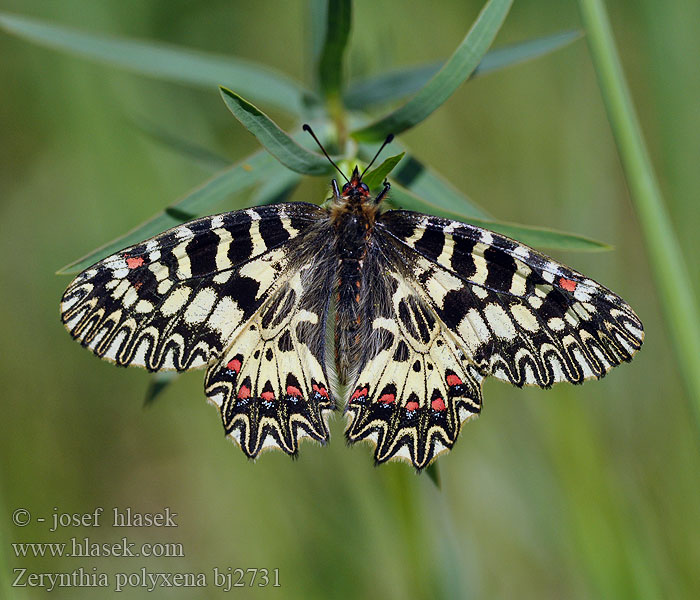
[(295, 309)]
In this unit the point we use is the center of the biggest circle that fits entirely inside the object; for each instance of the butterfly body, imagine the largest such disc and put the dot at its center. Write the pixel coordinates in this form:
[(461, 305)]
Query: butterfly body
[(353, 215), (425, 309)]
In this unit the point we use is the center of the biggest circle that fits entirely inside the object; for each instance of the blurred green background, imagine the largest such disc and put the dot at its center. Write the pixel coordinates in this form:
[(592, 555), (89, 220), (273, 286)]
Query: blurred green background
[(576, 492)]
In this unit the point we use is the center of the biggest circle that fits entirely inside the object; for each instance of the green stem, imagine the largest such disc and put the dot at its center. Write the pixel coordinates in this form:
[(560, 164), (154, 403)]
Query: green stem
[(665, 255), (336, 111)]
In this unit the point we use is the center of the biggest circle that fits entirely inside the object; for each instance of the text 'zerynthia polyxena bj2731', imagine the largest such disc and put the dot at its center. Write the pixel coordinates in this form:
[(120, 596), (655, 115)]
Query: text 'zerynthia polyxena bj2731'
[(423, 309)]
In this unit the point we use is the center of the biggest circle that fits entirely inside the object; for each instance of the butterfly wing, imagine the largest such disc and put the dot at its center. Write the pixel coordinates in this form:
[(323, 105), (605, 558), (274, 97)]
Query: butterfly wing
[(517, 314), (224, 291), (174, 301), (271, 385), (461, 303), (413, 388)]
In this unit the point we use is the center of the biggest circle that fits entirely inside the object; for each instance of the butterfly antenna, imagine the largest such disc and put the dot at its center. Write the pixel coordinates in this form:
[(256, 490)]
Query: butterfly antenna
[(308, 129), (388, 140)]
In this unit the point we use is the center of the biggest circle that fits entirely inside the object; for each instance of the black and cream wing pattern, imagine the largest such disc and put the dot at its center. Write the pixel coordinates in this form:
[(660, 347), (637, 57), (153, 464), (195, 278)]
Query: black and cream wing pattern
[(296, 309), (458, 304), (228, 292)]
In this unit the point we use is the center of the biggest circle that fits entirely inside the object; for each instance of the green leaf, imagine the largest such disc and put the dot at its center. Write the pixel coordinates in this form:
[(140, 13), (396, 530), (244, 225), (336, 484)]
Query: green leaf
[(275, 141), (157, 385), (433, 471), (241, 176), (191, 150), (390, 86), (374, 178), (399, 83), (276, 189), (542, 237), (164, 61), (455, 71), (179, 215), (330, 68), (538, 237), (426, 183), (514, 54), (316, 16)]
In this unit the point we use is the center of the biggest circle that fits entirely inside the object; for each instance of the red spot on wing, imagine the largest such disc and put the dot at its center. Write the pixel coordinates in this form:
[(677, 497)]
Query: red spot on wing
[(567, 284), (320, 390), (268, 396), (359, 393), (387, 398), (134, 262), (234, 365), (438, 404), (244, 393), (411, 406), (454, 380), (293, 391)]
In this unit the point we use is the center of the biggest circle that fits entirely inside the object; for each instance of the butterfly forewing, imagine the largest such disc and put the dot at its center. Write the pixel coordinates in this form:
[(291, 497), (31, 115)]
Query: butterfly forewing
[(516, 314), (174, 301)]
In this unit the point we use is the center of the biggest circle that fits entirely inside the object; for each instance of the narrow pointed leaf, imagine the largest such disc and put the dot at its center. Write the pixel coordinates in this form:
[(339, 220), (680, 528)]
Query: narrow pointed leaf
[(275, 141), (388, 87), (200, 201), (179, 214), (538, 237), (330, 68), (513, 54), (424, 182), (433, 471), (399, 83), (159, 382), (165, 61), (543, 237), (316, 11), (186, 148), (276, 189), (376, 177), (455, 71)]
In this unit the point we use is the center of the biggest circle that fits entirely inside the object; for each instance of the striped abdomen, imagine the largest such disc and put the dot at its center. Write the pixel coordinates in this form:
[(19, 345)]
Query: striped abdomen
[(351, 249)]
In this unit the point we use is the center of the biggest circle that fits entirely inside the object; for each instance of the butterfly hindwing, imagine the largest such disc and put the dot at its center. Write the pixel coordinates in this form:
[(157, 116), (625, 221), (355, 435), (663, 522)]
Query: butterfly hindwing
[(271, 386), (414, 387), (516, 314), (174, 301)]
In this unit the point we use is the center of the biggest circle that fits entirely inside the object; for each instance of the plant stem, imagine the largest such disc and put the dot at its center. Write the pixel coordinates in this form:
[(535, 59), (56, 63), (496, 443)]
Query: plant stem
[(336, 111), (665, 255)]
